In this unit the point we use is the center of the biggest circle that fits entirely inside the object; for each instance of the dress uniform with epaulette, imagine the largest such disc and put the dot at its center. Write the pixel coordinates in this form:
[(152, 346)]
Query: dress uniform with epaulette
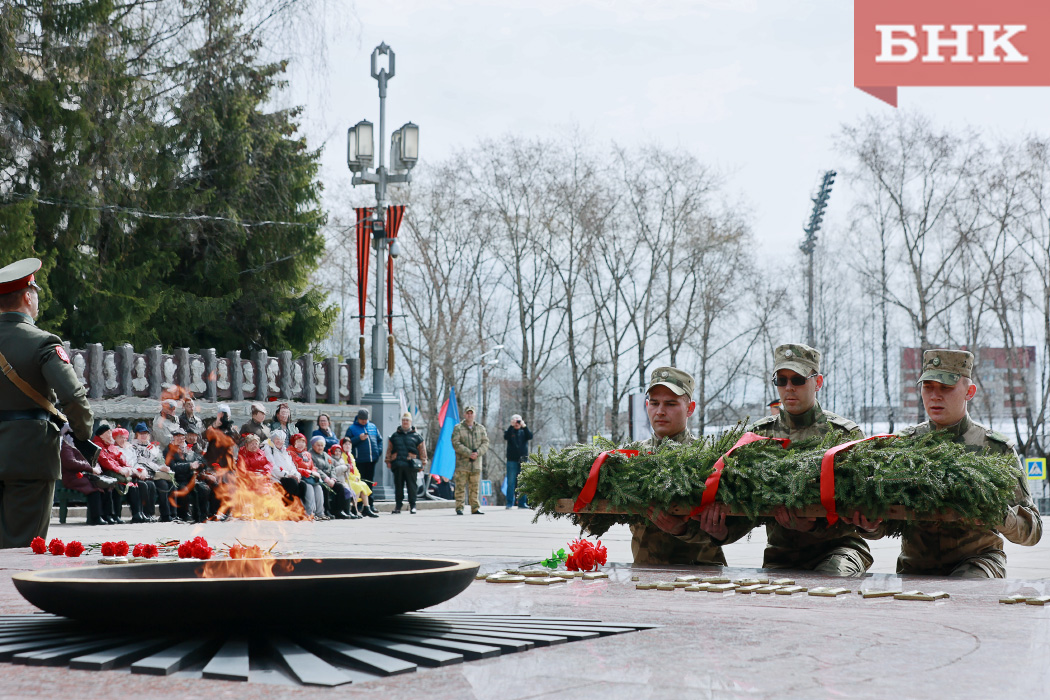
[(839, 548), (30, 438), (952, 549)]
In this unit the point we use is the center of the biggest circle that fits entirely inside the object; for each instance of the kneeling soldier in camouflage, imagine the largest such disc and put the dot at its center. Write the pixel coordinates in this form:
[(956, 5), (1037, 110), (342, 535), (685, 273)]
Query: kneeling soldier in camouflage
[(669, 539), (951, 549), (797, 542)]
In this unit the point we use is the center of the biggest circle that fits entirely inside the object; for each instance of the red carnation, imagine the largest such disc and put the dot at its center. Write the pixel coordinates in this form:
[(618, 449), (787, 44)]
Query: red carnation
[(601, 554), (202, 551), (586, 556), (149, 551), (570, 563), (74, 549), (38, 545), (108, 548), (56, 547), (185, 550), (137, 551), (120, 548)]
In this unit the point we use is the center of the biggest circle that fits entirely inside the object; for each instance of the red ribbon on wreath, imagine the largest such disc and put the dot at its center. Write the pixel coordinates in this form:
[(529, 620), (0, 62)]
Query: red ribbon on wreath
[(591, 486), (827, 475), (711, 485)]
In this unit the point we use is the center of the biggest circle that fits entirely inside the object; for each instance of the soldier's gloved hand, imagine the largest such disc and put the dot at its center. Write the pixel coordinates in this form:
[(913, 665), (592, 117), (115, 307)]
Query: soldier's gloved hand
[(792, 521), (671, 524), (713, 520)]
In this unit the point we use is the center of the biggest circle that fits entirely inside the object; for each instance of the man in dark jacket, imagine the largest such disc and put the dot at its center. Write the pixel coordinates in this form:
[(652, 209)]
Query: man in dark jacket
[(367, 448), (404, 446), (517, 437), (30, 434)]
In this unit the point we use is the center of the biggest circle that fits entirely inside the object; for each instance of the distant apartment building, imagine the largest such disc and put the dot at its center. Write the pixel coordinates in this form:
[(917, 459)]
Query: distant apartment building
[(1003, 377)]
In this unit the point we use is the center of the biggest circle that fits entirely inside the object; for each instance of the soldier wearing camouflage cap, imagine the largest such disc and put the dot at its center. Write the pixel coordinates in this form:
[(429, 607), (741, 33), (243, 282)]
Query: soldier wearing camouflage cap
[(952, 549), (795, 542), (470, 441), (669, 539)]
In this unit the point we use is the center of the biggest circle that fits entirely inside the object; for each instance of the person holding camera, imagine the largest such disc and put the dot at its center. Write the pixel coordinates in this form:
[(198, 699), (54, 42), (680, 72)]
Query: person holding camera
[(517, 437), (406, 453)]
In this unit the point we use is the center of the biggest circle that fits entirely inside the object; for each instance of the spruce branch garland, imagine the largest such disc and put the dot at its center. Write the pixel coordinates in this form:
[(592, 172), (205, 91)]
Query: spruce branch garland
[(926, 474)]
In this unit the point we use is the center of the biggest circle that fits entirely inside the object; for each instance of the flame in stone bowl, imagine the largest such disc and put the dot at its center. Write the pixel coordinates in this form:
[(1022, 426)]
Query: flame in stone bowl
[(244, 494)]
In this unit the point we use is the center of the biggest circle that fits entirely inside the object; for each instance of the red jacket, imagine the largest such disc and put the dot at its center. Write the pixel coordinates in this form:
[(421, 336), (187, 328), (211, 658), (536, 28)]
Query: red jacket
[(110, 459), (254, 462), (305, 466)]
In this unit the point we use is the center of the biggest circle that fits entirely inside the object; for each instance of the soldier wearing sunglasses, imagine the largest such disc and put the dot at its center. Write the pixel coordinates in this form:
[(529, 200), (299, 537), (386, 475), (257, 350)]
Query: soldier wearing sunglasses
[(796, 542)]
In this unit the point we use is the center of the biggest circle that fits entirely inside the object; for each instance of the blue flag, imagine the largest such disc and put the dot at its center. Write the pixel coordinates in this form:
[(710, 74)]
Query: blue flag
[(444, 462)]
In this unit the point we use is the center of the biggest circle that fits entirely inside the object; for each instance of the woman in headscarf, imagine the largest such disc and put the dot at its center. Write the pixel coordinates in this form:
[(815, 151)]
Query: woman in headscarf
[(79, 475), (359, 488), (339, 472), (335, 500), (283, 468), (309, 479)]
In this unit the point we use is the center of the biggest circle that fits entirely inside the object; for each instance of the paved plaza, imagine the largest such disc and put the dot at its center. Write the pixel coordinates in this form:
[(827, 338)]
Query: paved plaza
[(707, 645)]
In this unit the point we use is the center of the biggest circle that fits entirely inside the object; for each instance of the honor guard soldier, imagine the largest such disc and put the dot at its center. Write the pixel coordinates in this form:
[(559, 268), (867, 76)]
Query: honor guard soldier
[(670, 539), (804, 543), (37, 375), (953, 549)]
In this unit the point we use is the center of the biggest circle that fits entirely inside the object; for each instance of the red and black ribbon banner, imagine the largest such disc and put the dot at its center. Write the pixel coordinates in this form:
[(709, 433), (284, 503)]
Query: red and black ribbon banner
[(364, 245), (589, 488), (394, 215), (711, 485), (827, 476)]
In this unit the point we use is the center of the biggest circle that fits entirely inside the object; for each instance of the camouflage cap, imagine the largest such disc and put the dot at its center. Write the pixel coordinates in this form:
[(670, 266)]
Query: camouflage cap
[(946, 366), (469, 409), (677, 380), (798, 358)]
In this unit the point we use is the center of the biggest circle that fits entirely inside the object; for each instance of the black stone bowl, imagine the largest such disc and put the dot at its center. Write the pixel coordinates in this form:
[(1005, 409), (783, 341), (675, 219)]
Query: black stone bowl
[(314, 592)]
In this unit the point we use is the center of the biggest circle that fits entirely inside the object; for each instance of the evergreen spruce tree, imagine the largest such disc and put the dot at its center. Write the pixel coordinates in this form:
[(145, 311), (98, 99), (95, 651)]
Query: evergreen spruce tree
[(70, 112), (237, 286)]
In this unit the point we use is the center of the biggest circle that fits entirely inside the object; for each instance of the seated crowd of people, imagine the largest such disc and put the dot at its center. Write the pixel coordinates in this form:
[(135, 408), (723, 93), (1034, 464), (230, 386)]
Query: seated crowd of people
[(183, 469)]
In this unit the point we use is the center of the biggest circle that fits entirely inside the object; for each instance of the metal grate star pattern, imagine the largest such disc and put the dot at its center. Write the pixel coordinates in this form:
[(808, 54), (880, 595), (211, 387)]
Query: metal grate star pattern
[(399, 644)]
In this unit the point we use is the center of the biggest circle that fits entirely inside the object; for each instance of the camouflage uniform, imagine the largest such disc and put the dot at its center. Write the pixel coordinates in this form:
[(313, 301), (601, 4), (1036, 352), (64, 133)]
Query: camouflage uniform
[(954, 549), (950, 549), (651, 545), (468, 472), (838, 549)]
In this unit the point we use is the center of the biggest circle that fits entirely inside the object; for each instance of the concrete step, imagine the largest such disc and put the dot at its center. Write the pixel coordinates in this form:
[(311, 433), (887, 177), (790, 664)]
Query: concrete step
[(77, 514)]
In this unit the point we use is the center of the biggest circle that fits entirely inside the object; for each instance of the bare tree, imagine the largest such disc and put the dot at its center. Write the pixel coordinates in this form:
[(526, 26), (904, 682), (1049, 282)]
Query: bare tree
[(920, 172)]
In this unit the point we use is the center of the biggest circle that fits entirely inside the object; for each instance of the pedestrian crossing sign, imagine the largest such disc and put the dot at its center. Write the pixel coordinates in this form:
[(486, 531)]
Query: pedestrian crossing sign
[(1036, 467)]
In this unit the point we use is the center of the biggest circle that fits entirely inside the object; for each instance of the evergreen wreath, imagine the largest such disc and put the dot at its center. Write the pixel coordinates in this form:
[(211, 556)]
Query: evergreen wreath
[(926, 474)]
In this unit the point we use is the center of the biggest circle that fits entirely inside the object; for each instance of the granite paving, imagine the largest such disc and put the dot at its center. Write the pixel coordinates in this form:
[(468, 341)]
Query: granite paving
[(708, 645)]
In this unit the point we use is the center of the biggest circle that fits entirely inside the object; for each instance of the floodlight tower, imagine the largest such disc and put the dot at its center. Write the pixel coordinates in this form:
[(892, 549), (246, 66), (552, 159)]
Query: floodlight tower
[(809, 245)]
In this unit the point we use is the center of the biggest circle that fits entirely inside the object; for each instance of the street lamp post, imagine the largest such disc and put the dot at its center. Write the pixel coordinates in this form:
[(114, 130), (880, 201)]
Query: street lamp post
[(481, 387), (404, 153)]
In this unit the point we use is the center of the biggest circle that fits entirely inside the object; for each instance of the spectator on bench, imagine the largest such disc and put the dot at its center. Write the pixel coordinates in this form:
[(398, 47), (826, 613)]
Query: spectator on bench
[(151, 459)]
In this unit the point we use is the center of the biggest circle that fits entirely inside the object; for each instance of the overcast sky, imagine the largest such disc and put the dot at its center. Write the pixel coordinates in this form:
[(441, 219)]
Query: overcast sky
[(759, 88)]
